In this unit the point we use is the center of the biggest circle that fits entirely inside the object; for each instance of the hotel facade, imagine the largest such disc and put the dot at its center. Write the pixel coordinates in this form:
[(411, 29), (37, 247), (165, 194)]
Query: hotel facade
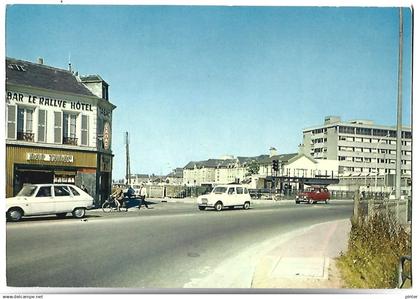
[(58, 128)]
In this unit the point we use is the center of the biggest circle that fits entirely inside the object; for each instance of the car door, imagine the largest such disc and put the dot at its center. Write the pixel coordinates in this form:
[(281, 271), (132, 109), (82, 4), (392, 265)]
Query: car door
[(239, 196), (64, 201), (230, 197), (318, 194), (42, 202)]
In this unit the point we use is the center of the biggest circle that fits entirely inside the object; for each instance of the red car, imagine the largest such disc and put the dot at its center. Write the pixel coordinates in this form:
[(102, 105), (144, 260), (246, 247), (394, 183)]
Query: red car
[(313, 195)]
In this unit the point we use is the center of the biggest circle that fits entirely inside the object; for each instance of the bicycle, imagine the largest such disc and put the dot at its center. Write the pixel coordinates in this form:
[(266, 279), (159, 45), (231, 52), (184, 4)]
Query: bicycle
[(111, 204)]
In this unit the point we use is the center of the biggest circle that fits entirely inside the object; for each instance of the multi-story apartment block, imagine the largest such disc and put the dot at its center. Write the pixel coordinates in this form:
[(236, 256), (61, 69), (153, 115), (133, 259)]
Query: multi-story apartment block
[(363, 149), (58, 128)]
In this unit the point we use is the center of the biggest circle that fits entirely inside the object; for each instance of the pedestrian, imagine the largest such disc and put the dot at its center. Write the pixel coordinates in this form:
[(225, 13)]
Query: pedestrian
[(143, 194), (83, 187)]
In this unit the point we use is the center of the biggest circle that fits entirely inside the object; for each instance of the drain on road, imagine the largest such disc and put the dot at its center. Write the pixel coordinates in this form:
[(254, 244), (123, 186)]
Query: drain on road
[(193, 254), (315, 267)]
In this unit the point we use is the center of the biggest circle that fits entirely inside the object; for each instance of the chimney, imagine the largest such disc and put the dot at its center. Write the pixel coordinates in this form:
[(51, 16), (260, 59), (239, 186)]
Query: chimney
[(40, 60)]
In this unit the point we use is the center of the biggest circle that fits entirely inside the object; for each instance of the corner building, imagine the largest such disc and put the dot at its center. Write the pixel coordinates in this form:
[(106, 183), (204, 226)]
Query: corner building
[(58, 128)]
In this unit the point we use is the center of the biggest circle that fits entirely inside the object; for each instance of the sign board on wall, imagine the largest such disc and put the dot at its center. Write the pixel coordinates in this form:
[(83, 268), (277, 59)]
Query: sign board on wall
[(107, 135), (49, 157)]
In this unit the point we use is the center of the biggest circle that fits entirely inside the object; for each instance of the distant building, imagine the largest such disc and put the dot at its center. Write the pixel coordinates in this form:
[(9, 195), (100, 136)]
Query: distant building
[(175, 177), (366, 153), (58, 128), (236, 170)]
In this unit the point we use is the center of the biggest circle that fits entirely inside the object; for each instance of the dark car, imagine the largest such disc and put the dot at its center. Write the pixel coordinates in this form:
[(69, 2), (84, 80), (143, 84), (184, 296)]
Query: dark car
[(313, 194), (130, 193)]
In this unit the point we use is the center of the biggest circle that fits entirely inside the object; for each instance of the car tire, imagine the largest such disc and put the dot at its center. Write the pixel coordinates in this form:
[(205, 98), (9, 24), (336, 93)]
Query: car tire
[(61, 215), (310, 201), (327, 201), (14, 214), (79, 212), (246, 205), (297, 202), (201, 208), (218, 206)]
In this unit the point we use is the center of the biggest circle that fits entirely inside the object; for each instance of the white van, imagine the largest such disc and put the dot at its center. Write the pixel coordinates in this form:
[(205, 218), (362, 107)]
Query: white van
[(225, 196)]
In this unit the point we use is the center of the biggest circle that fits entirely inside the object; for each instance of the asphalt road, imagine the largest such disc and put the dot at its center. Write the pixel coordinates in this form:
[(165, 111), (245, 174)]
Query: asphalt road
[(169, 246)]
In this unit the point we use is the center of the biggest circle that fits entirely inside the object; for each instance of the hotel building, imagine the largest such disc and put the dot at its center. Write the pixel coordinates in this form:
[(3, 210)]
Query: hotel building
[(58, 128)]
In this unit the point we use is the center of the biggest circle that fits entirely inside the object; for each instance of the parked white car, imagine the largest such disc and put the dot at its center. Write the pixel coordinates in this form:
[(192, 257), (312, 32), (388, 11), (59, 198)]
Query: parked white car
[(225, 196), (44, 199)]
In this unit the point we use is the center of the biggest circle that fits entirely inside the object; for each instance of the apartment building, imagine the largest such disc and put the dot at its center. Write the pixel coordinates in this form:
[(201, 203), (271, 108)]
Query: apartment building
[(58, 128), (363, 150)]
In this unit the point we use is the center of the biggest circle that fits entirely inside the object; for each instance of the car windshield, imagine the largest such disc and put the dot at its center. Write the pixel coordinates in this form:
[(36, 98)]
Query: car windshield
[(27, 191), (219, 190)]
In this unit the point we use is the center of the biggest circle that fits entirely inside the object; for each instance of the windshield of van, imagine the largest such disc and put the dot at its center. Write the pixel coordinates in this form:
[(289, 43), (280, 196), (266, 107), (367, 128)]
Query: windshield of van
[(27, 191), (219, 190)]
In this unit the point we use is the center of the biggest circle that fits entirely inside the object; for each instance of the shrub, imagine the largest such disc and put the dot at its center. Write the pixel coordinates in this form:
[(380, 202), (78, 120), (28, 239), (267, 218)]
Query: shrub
[(374, 248)]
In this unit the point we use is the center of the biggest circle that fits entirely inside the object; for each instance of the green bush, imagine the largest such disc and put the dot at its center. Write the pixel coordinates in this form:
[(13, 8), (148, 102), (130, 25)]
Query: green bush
[(374, 249)]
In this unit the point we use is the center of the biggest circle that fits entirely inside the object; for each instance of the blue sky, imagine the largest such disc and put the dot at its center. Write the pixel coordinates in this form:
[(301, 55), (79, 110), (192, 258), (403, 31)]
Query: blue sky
[(197, 82)]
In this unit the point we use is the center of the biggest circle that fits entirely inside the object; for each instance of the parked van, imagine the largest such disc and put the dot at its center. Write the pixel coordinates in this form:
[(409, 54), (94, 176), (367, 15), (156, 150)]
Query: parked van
[(221, 196)]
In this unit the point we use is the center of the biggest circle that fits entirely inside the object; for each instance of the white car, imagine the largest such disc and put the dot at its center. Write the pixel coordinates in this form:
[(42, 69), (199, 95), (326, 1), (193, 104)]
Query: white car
[(44, 199), (225, 196)]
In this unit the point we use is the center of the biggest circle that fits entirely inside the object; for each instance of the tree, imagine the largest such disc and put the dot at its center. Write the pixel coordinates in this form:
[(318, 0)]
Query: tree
[(253, 168)]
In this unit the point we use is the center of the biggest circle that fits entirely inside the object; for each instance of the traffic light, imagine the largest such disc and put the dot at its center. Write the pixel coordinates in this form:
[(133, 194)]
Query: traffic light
[(276, 165)]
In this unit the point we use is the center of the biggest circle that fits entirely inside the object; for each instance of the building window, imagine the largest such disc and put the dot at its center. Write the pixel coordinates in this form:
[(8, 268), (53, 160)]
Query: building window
[(347, 130), (363, 131), (25, 124), (69, 129), (393, 134), (11, 122), (42, 125), (407, 135), (85, 131), (57, 127), (380, 132)]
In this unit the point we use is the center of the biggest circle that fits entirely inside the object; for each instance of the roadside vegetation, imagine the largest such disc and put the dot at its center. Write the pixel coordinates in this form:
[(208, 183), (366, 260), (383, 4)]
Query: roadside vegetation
[(374, 248)]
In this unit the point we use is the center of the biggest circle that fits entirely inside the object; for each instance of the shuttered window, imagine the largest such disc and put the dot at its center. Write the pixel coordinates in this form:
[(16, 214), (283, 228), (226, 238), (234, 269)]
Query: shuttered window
[(57, 127), (11, 122), (84, 130), (42, 125)]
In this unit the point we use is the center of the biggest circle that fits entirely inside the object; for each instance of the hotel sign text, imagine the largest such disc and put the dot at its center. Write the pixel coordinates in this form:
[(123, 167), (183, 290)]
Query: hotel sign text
[(50, 102), (49, 157)]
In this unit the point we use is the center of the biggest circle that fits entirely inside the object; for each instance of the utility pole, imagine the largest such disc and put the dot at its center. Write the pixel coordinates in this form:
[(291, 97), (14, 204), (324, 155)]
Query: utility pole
[(399, 111), (127, 160)]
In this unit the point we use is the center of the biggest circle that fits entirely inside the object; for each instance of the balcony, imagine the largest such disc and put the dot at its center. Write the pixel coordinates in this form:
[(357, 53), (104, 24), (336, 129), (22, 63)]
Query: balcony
[(70, 140), (25, 136)]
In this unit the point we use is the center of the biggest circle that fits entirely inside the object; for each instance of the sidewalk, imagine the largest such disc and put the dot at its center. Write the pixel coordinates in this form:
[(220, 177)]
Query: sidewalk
[(306, 260)]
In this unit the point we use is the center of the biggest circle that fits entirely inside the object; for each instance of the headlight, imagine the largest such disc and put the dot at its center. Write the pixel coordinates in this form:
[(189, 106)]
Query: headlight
[(204, 200)]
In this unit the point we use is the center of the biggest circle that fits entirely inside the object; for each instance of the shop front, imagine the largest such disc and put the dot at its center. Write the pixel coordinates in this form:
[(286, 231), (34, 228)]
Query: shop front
[(37, 165)]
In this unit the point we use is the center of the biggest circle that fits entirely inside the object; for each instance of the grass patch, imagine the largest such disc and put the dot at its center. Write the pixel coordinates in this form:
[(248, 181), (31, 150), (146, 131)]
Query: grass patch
[(374, 249)]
